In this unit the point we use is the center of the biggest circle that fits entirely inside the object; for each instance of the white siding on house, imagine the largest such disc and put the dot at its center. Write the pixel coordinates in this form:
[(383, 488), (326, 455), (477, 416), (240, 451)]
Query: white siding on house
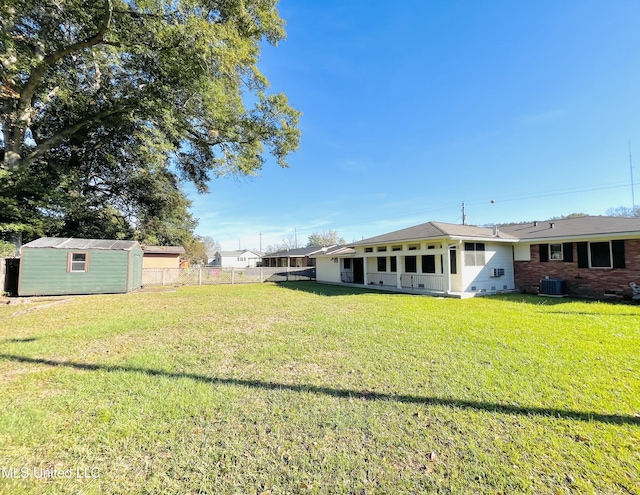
[(235, 259), (327, 270), (522, 252), (479, 279)]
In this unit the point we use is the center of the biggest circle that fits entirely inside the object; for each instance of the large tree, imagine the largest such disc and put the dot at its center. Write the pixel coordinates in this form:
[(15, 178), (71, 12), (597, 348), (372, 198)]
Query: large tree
[(624, 211), (325, 238), (108, 106)]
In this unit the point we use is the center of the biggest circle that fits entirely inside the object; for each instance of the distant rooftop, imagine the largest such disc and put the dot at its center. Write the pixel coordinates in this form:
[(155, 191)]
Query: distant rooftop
[(297, 253)]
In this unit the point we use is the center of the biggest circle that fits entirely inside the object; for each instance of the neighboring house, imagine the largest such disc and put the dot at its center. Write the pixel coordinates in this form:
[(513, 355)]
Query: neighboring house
[(591, 256), (162, 256), (55, 266), (433, 257), (299, 257), (241, 258)]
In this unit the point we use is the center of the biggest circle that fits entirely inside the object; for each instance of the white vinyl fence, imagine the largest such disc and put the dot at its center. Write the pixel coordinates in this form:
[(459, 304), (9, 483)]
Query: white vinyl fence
[(213, 275)]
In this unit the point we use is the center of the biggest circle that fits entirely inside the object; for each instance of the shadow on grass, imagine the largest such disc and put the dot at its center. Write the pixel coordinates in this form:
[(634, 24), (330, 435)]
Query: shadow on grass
[(330, 289), (346, 393), (538, 300), (15, 341)]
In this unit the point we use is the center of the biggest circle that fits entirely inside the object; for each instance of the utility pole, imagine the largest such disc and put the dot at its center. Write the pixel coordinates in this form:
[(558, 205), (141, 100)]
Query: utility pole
[(633, 197)]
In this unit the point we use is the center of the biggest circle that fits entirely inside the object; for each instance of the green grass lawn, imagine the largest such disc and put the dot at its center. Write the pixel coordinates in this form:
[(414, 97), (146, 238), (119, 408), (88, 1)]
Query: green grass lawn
[(304, 388)]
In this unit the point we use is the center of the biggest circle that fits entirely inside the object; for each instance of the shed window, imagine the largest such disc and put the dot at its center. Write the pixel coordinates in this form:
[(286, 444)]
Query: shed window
[(78, 262)]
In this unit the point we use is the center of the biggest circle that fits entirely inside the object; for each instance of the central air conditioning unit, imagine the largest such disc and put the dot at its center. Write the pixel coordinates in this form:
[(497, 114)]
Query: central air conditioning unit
[(552, 287), (497, 272)]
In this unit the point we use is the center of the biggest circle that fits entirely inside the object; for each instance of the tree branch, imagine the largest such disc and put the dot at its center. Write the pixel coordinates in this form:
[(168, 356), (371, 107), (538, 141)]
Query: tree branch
[(53, 141), (49, 60)]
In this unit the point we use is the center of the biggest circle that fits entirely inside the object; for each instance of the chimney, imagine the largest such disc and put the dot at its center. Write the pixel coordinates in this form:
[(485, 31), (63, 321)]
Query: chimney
[(551, 225)]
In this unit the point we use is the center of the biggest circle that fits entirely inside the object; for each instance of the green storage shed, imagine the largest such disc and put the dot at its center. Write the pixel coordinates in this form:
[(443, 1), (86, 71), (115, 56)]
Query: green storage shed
[(58, 266)]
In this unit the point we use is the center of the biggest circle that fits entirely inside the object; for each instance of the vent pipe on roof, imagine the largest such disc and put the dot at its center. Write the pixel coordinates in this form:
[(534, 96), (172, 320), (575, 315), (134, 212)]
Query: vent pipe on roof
[(551, 225), (496, 232), (535, 223)]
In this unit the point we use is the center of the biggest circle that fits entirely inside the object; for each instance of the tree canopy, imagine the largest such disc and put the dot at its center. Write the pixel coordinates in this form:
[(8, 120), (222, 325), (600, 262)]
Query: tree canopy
[(324, 238), (624, 211), (108, 107)]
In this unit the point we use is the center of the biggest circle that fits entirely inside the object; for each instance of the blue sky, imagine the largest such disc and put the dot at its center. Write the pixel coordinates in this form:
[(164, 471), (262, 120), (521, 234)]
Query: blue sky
[(411, 108)]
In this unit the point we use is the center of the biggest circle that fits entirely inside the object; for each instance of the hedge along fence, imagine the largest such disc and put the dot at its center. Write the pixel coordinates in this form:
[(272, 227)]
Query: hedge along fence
[(214, 275)]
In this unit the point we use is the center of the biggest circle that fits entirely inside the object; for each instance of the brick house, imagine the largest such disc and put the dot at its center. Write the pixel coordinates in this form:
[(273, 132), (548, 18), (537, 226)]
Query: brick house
[(594, 256)]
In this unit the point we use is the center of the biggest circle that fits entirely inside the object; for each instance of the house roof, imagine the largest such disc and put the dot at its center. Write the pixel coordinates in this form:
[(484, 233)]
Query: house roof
[(335, 251), (437, 230), (574, 227), (297, 253), (163, 250), (74, 243)]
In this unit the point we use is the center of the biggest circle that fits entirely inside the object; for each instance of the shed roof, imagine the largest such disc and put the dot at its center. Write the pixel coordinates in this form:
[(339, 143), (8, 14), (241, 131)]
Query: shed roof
[(163, 250), (73, 243)]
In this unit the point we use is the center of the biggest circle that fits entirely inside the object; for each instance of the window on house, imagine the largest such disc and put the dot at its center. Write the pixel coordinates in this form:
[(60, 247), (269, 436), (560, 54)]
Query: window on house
[(453, 263), (381, 249), (414, 247), (368, 250), (474, 254), (600, 254), (607, 254), (396, 248), (78, 262), (347, 264), (394, 264), (382, 264), (555, 252), (410, 264), (429, 263)]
